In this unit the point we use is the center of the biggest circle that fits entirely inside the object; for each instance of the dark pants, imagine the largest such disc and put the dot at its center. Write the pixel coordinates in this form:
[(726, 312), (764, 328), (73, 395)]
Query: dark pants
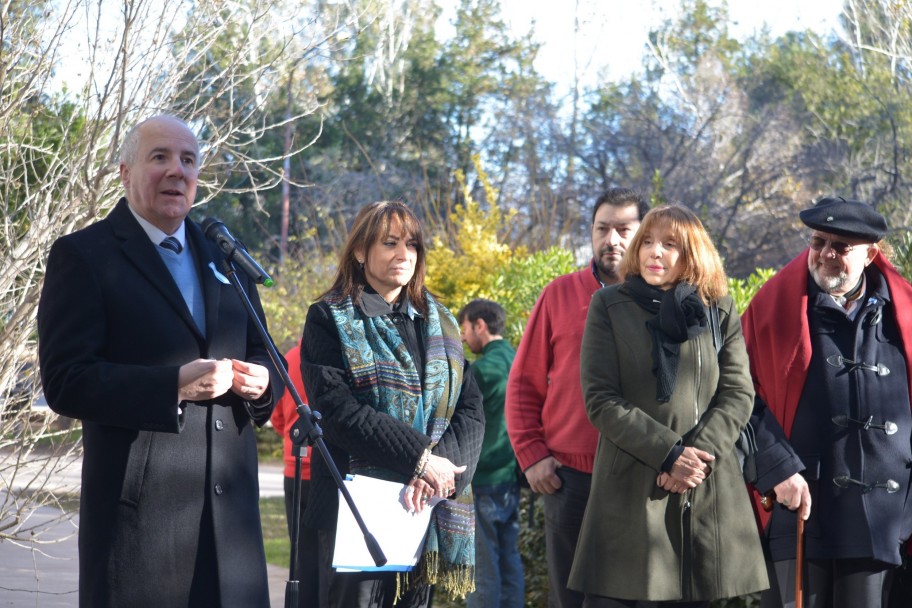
[(361, 589), (563, 518), (835, 583), (306, 563)]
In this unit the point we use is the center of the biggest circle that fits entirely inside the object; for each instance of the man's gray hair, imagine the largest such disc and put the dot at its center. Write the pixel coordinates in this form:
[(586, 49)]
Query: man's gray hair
[(131, 139)]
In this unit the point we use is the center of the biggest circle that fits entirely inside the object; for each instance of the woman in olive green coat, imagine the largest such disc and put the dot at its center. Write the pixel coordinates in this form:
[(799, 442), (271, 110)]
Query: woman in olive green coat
[(668, 517)]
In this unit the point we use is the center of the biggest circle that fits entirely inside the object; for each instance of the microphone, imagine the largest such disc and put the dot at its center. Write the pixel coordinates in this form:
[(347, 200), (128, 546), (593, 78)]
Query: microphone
[(235, 251)]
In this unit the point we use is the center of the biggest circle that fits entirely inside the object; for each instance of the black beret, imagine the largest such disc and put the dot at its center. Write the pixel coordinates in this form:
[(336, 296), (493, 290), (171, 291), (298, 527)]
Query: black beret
[(847, 218)]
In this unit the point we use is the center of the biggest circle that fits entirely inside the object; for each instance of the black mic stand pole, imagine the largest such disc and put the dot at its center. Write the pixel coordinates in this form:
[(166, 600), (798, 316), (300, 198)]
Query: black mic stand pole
[(305, 429)]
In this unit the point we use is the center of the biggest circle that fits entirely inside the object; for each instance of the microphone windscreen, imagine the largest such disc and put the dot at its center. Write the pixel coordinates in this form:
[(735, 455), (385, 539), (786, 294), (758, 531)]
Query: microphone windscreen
[(209, 224)]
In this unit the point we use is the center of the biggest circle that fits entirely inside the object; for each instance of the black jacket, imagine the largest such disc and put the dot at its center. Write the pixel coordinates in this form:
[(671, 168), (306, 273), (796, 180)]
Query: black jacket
[(857, 471), (113, 332), (351, 428)]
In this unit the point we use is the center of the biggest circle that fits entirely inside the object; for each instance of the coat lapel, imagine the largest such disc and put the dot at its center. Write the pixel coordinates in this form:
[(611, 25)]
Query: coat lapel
[(207, 263), (140, 251)]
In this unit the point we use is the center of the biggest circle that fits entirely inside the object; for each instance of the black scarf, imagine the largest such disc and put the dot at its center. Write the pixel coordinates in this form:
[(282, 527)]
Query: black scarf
[(680, 316)]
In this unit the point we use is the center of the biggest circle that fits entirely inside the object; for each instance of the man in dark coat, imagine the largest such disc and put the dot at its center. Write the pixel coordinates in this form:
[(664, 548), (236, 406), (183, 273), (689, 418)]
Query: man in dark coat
[(152, 349), (830, 345)]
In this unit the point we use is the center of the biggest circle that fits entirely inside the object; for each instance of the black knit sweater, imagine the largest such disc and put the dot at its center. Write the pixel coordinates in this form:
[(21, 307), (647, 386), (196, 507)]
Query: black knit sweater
[(351, 428)]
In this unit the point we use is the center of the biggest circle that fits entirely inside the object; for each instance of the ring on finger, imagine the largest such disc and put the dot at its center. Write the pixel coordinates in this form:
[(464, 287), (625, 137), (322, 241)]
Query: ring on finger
[(785, 501)]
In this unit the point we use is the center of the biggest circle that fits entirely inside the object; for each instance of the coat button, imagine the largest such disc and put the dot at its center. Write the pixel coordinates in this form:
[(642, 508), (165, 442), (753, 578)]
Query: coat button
[(218, 489), (219, 425)]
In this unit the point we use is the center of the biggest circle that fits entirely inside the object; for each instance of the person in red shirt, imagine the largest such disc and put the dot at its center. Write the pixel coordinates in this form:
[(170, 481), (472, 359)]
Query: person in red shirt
[(283, 417), (546, 418)]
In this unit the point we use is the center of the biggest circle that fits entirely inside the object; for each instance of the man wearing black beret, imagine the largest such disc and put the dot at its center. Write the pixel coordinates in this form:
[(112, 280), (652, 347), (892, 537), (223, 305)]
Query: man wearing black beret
[(830, 344)]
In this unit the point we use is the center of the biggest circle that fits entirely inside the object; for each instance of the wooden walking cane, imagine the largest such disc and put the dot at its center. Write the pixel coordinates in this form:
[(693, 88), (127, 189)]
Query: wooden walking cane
[(799, 564)]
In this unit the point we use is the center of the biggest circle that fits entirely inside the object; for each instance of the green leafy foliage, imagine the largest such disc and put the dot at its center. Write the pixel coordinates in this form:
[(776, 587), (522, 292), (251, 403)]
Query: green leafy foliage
[(701, 30), (901, 255), (532, 548), (470, 259), (523, 281), (44, 131), (743, 290), (298, 282), (747, 601)]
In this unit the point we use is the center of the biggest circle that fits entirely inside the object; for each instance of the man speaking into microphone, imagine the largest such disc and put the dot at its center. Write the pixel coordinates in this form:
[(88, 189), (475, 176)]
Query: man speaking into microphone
[(144, 339)]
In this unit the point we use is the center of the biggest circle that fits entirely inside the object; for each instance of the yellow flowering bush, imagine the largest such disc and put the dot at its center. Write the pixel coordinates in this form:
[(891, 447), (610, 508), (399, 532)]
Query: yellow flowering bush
[(471, 259)]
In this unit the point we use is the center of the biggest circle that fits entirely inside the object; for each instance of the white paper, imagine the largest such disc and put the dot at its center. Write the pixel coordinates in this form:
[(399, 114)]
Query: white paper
[(399, 533)]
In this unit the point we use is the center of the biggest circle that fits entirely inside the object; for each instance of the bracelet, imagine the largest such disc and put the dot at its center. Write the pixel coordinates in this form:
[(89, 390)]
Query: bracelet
[(422, 463)]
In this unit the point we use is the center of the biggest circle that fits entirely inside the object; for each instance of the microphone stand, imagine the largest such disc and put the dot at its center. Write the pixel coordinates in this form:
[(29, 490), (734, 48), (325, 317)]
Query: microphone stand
[(305, 430)]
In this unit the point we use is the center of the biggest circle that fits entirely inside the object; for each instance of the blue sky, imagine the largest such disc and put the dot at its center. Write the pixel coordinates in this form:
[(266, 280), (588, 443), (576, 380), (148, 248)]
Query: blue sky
[(613, 32), (610, 42)]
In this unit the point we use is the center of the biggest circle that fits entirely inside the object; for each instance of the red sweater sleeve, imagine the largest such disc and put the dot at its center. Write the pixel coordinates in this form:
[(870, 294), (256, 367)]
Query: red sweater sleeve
[(544, 405), (527, 388), (285, 414)]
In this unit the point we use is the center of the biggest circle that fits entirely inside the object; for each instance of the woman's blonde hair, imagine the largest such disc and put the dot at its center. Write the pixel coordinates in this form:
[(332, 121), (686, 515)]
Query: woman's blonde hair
[(371, 225), (702, 266)]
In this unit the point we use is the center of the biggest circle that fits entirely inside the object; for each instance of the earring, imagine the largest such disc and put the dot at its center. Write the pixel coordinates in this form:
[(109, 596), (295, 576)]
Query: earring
[(361, 264)]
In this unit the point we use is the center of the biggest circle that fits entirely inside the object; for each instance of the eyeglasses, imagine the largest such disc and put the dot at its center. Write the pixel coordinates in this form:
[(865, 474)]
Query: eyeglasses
[(817, 243)]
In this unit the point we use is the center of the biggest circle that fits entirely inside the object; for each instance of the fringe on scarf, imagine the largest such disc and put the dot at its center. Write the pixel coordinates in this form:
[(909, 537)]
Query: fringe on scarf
[(457, 581)]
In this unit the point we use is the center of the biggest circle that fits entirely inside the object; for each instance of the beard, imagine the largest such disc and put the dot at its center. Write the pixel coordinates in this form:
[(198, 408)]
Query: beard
[(609, 267), (830, 282)]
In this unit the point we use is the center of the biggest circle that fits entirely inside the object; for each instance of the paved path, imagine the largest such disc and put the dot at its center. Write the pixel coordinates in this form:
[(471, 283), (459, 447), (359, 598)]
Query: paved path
[(63, 476), (46, 575)]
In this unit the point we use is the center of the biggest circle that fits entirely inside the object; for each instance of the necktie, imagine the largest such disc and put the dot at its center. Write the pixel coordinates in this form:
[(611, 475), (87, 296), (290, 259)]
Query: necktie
[(172, 244)]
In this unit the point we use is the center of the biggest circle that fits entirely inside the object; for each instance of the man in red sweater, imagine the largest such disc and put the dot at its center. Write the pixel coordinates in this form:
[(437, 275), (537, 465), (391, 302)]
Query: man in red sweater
[(546, 419), (283, 418)]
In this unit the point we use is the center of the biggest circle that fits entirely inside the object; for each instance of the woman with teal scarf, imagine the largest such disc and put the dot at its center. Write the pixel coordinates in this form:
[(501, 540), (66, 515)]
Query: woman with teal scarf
[(382, 362)]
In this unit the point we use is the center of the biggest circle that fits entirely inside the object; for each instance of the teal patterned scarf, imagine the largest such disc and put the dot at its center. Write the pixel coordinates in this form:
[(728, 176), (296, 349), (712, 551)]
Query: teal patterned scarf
[(384, 376)]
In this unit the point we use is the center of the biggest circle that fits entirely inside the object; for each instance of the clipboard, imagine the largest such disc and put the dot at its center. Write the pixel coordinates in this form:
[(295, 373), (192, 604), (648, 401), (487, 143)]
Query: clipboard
[(382, 506)]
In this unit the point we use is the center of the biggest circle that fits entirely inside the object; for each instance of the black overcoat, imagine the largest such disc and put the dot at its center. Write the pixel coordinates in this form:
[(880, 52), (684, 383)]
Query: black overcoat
[(113, 333)]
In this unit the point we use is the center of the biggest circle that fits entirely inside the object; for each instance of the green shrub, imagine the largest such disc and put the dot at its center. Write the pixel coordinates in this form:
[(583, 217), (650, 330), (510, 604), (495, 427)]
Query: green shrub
[(470, 258), (899, 252), (298, 282), (743, 290)]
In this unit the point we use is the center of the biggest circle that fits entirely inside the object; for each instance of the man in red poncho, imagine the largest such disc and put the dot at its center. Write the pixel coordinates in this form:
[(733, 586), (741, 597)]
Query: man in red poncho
[(829, 340)]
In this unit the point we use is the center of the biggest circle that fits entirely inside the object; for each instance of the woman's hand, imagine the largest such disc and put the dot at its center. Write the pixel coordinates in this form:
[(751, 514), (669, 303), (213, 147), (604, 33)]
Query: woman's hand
[(667, 483), (440, 474), (417, 494), (688, 471)]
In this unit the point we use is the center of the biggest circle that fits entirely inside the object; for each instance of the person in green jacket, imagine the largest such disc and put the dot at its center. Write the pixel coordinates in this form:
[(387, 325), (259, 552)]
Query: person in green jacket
[(498, 566), (668, 518)]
